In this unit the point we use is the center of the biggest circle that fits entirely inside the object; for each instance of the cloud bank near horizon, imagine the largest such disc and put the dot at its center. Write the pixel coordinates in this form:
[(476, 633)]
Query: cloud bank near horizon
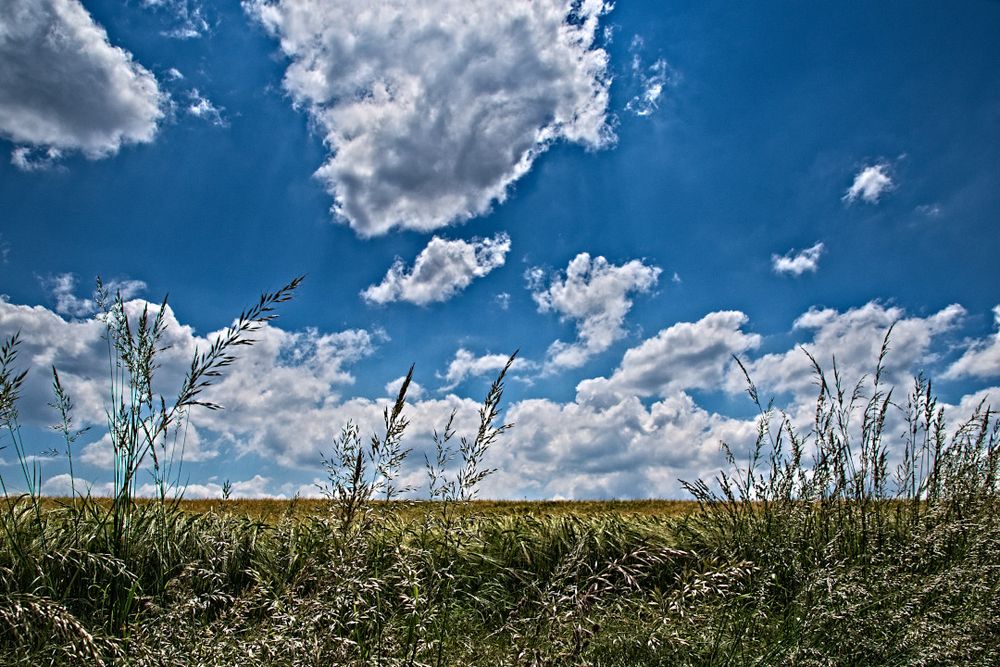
[(632, 433)]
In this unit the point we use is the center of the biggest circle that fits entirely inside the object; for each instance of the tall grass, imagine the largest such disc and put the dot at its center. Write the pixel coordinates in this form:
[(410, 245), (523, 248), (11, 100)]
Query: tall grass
[(835, 544), (863, 548)]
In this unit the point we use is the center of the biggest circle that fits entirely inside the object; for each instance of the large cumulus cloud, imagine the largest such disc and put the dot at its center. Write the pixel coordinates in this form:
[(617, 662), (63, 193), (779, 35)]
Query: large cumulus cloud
[(431, 110), (64, 86)]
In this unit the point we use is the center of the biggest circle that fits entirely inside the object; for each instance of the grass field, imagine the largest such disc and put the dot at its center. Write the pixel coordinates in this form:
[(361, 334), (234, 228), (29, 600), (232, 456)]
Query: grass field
[(271, 510), (817, 552)]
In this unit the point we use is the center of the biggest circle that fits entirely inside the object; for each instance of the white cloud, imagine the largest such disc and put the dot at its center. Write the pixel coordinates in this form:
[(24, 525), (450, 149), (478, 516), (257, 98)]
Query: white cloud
[(432, 110), (466, 365), (27, 158), (651, 80), (317, 422), (184, 444), (281, 397), (594, 295), (62, 287), (686, 355), (174, 74), (442, 269), (870, 184), (853, 339), (64, 86), (64, 485), (413, 393), (930, 210), (273, 385), (257, 486), (621, 449), (502, 300), (981, 358), (203, 108), (797, 263), (282, 400), (188, 16), (608, 443)]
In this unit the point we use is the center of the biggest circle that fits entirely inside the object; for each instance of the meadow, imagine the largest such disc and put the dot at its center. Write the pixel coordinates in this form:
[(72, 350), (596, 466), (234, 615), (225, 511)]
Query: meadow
[(846, 544)]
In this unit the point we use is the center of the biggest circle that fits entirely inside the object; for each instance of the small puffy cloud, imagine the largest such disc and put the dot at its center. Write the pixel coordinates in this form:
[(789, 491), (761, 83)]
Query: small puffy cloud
[(593, 294), (203, 108), (981, 358), (62, 288), (442, 269), (466, 365), (870, 184), (64, 86), (796, 263), (432, 110), (502, 300), (413, 393)]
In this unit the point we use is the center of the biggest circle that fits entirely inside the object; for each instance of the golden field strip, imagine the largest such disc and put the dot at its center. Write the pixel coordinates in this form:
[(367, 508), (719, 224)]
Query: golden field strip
[(270, 509)]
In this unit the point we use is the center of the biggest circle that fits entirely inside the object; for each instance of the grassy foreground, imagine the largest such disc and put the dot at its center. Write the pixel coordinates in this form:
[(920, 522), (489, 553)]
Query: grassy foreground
[(844, 545), (762, 584)]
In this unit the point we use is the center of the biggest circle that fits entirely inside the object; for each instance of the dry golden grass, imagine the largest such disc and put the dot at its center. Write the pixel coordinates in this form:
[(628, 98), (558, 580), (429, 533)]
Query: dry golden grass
[(268, 509)]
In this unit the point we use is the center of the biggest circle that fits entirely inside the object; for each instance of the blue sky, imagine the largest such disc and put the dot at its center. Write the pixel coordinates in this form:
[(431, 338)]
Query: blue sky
[(629, 195)]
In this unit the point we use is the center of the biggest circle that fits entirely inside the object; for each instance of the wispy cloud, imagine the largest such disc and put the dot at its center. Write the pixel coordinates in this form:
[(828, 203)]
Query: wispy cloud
[(796, 263), (930, 210), (203, 108), (187, 16), (651, 81)]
